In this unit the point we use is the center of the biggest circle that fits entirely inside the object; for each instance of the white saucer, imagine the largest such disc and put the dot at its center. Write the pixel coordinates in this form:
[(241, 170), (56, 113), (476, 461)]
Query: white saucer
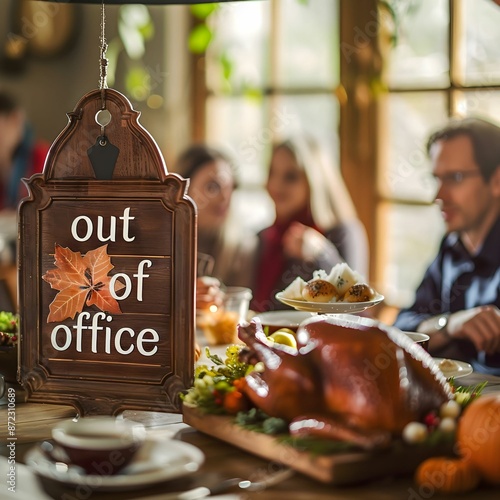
[(330, 307), (155, 462), (282, 319), (462, 368)]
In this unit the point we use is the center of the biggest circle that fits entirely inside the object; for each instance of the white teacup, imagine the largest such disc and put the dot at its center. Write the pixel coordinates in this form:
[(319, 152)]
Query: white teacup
[(419, 338), (101, 445)]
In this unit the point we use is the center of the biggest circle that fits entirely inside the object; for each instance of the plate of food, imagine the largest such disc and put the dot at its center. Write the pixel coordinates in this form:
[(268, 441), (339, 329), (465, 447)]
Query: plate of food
[(330, 307), (295, 420), (342, 290), (453, 367)]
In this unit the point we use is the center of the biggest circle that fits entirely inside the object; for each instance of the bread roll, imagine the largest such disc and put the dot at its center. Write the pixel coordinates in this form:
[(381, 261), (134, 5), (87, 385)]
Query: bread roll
[(319, 291), (360, 292)]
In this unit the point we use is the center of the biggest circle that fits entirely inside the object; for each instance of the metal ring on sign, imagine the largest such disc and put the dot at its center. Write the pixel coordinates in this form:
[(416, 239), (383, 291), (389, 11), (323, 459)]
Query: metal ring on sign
[(103, 141)]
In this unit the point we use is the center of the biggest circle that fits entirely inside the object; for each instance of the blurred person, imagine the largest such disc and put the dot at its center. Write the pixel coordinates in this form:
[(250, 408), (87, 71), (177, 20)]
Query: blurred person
[(458, 300), (221, 239), (315, 227), (21, 155)]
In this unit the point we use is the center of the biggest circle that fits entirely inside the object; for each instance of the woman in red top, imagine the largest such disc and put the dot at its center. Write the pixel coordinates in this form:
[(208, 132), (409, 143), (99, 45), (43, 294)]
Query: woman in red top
[(316, 225)]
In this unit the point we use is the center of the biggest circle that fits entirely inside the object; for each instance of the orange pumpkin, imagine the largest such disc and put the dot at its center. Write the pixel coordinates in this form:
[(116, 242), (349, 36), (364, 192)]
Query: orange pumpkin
[(447, 475), (478, 436)]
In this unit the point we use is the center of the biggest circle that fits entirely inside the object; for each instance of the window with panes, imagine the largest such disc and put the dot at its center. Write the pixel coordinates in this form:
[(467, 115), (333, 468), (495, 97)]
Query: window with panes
[(273, 69)]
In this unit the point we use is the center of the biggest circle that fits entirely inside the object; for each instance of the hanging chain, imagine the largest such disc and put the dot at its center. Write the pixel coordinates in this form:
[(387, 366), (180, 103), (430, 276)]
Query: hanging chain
[(103, 60), (103, 66)]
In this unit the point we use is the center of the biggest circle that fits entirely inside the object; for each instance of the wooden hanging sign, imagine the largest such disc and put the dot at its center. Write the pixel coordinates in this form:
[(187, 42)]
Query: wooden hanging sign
[(106, 268)]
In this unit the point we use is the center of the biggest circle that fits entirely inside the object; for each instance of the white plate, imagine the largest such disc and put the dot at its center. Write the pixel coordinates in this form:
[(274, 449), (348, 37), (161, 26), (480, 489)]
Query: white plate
[(330, 307), (462, 368), (155, 462), (419, 338), (282, 319)]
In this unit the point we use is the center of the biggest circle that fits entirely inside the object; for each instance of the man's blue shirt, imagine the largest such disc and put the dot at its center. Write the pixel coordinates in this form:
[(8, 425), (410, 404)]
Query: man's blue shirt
[(456, 281)]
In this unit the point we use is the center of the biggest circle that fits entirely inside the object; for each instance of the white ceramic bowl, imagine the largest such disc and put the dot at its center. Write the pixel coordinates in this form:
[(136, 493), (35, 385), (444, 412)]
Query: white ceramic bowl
[(274, 320), (100, 444), (419, 338)]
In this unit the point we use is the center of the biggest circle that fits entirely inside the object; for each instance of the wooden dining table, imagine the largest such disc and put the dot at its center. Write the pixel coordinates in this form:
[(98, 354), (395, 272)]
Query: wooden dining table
[(33, 423)]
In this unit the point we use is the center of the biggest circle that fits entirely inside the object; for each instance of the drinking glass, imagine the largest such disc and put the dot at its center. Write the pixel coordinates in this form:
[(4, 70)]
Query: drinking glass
[(220, 326), (205, 265)]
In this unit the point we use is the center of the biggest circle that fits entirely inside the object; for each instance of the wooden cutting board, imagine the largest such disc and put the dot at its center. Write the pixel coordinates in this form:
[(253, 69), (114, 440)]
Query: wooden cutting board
[(338, 469)]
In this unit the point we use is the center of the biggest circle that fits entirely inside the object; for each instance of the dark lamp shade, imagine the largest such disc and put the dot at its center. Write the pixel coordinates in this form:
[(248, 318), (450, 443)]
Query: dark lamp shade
[(150, 2)]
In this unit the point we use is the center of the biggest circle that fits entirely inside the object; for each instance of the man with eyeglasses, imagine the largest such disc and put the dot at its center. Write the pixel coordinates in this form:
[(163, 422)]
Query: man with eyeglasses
[(458, 301)]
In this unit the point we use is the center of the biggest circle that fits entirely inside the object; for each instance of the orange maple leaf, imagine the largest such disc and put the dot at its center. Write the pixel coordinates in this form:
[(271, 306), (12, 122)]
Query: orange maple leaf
[(81, 280)]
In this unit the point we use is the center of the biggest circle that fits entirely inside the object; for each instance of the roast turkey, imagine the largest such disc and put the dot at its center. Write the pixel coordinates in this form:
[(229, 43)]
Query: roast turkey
[(351, 378)]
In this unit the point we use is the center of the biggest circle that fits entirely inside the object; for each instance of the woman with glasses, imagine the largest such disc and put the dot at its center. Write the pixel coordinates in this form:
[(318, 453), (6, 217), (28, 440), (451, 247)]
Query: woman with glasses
[(225, 253), (458, 301)]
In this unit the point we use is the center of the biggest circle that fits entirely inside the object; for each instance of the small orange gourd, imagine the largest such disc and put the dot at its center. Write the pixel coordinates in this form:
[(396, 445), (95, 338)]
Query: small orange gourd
[(447, 475), (478, 436)]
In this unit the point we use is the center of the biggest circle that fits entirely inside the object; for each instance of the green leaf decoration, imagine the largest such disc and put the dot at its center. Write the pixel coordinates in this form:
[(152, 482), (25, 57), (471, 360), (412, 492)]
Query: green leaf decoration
[(203, 10), (147, 30), (227, 66), (132, 40), (253, 93), (199, 39), (138, 83)]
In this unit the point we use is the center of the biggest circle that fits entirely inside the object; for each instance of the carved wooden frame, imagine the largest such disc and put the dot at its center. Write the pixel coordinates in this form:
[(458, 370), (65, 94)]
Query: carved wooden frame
[(68, 183)]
